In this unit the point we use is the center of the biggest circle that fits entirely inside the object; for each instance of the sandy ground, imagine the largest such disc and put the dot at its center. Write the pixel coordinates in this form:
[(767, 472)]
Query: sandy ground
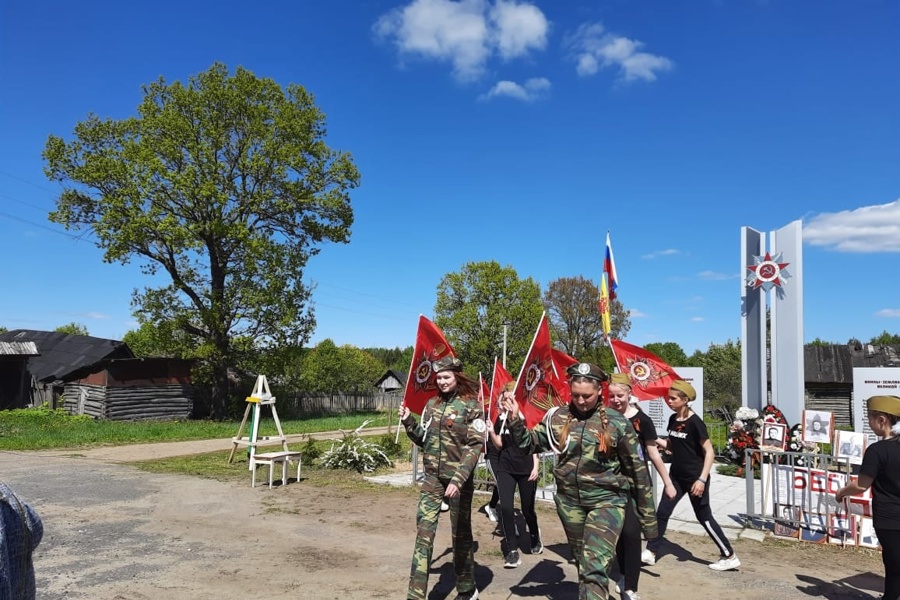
[(113, 532)]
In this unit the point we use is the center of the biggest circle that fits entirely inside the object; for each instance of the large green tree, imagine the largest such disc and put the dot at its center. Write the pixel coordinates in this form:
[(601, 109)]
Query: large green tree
[(332, 368), (670, 352), (571, 304), (721, 374), (223, 188), (72, 328), (473, 306), (885, 339)]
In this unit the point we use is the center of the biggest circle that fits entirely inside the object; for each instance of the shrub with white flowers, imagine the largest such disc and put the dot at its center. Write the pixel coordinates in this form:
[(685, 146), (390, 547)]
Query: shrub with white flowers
[(354, 452)]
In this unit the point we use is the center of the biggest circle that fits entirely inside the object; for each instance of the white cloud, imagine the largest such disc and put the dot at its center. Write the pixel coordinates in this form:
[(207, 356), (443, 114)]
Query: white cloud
[(658, 253), (95, 315), (530, 91), (636, 314), (866, 229), (697, 319), (888, 312), (594, 48), (518, 28), (465, 33), (714, 276)]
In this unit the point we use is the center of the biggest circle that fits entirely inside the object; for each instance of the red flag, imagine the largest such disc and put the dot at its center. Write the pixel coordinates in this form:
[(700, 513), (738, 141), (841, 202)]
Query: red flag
[(562, 361), (538, 385), (499, 383), (650, 376), (430, 346)]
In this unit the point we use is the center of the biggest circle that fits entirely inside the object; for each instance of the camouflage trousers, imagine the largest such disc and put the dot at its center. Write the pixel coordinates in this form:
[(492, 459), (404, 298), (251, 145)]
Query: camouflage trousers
[(592, 533), (430, 499)]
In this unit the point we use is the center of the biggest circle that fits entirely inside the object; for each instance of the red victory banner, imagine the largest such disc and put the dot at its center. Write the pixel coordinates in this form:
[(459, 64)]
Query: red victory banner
[(537, 387), (501, 382), (430, 346), (484, 394), (650, 376), (562, 361)]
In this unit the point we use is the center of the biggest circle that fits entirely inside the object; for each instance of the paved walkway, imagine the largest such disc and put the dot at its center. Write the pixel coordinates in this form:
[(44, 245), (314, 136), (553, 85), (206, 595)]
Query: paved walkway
[(727, 498)]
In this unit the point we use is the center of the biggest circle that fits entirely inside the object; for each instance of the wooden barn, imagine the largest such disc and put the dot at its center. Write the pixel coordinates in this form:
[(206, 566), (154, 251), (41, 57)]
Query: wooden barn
[(391, 381), (58, 355), (132, 389), (15, 385)]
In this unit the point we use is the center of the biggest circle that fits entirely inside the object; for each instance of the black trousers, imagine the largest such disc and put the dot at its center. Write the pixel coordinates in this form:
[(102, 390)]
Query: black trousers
[(507, 483), (890, 556), (701, 510), (628, 549)]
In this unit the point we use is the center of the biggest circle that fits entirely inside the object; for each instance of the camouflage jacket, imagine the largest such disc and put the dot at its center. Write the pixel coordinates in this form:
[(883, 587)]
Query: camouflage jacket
[(584, 474), (451, 435)]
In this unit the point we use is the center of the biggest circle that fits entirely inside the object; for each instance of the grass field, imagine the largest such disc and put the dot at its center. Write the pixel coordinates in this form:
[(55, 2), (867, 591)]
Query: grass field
[(42, 428)]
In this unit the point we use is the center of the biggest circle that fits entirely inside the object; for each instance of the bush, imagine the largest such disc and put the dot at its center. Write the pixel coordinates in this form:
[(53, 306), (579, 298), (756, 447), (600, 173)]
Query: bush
[(390, 446), (311, 451), (353, 452)]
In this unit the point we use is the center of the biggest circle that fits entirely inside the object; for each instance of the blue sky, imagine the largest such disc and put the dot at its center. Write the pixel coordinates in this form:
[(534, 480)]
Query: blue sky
[(511, 131)]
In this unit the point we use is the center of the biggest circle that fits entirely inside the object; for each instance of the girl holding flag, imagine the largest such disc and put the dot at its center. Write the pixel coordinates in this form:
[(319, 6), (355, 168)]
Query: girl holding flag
[(451, 434), (598, 469)]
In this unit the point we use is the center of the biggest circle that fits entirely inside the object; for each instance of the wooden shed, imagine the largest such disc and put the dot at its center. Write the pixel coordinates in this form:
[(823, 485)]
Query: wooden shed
[(391, 381), (15, 383), (132, 389)]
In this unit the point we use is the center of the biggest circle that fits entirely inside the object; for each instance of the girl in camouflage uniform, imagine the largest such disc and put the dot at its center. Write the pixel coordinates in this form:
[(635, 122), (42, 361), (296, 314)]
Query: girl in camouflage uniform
[(451, 435), (598, 469)]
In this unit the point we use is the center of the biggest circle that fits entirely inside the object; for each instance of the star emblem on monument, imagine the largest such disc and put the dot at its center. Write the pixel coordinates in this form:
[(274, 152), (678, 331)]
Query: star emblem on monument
[(767, 272)]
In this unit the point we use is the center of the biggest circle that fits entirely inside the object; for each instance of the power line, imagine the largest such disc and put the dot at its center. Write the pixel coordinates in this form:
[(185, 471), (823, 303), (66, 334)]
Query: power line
[(77, 238)]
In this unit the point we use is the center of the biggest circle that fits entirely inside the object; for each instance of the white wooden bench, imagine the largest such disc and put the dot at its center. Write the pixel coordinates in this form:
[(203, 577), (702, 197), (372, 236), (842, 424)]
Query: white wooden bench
[(272, 459)]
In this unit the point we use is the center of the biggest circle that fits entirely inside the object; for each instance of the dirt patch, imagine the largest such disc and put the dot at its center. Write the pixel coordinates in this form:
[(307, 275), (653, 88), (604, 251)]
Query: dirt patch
[(116, 533)]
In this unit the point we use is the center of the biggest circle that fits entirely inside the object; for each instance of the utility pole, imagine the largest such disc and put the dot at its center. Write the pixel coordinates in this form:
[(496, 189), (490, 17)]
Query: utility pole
[(505, 326)]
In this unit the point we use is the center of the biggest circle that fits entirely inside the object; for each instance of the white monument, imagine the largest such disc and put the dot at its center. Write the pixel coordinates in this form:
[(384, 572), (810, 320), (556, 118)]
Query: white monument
[(779, 270)]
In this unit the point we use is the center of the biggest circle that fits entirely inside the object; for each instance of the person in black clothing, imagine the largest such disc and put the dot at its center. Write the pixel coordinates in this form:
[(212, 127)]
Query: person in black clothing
[(880, 469), (514, 468), (628, 549), (692, 460)]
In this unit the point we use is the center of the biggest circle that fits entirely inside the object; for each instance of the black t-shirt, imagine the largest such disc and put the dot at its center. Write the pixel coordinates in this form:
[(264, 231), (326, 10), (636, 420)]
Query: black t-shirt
[(686, 444), (510, 459), (881, 462), (645, 430)]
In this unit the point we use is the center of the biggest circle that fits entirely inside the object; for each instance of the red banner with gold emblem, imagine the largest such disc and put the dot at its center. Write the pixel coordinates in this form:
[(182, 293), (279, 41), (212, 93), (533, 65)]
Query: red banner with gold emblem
[(430, 346)]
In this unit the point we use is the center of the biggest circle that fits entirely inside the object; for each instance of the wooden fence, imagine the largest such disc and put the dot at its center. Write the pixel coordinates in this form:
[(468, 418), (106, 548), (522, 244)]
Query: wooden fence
[(295, 405)]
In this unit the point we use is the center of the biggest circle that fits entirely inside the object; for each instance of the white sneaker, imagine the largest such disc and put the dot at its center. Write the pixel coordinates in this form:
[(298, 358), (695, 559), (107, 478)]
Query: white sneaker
[(648, 557), (491, 512), (631, 595), (444, 507), (726, 564), (620, 585)]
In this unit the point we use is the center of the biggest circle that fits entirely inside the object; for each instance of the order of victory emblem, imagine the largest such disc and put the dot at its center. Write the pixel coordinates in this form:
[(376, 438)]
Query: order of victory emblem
[(767, 272)]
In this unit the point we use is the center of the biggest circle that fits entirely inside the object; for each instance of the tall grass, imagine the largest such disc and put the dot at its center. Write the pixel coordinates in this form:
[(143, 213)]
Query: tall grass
[(43, 428)]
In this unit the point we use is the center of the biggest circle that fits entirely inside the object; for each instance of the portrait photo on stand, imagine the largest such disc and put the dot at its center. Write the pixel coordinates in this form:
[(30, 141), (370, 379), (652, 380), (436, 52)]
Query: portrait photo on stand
[(813, 529), (787, 523), (842, 530), (774, 436), (850, 445), (817, 426), (867, 536)]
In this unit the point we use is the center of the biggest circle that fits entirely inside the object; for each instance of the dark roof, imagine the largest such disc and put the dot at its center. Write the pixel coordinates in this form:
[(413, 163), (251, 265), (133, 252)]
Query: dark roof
[(63, 353), (834, 363), (398, 375)]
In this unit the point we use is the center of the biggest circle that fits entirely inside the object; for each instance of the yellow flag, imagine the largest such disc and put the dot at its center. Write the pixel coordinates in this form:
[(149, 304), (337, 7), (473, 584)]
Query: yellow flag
[(603, 305)]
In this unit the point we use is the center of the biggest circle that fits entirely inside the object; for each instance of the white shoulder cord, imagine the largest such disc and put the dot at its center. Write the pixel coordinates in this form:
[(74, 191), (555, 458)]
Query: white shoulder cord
[(554, 443)]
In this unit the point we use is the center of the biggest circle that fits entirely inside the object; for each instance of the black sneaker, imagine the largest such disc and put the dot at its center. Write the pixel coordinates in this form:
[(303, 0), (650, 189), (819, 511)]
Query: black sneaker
[(468, 595), (536, 545), (512, 560)]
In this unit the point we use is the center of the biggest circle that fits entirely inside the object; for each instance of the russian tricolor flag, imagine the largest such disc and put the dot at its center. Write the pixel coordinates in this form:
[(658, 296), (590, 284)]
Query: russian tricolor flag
[(609, 268)]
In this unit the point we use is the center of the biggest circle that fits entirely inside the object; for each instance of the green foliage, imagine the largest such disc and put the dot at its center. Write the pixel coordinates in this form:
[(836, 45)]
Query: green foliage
[(397, 359), (820, 342), (885, 339), (391, 447), (355, 452), (72, 328), (721, 365), (329, 368), (670, 352), (473, 305), (311, 450), (160, 339), (575, 321), (227, 187)]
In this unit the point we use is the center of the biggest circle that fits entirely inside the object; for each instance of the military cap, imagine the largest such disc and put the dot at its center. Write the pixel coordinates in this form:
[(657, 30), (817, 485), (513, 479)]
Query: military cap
[(447, 363), (685, 388), (885, 404), (620, 379), (587, 370)]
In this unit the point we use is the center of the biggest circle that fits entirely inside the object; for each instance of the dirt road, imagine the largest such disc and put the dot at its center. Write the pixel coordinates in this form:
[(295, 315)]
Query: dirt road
[(113, 532)]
